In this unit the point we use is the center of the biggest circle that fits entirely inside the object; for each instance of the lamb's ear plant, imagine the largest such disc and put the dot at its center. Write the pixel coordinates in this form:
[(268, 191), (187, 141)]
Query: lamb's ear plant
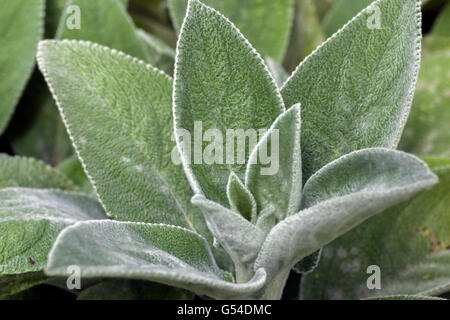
[(338, 119)]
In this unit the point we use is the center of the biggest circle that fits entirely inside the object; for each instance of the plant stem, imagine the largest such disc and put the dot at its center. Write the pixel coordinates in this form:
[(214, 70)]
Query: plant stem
[(274, 289)]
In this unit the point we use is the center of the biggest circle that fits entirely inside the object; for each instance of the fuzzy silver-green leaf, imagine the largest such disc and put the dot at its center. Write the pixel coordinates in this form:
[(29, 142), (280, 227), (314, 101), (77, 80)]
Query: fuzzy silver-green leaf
[(161, 253), (221, 82), (340, 196), (356, 89)]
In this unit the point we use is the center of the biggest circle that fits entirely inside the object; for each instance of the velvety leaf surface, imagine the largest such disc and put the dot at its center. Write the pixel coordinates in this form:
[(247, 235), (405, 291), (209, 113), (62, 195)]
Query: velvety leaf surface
[(118, 113), (20, 31), (340, 196), (133, 290), (221, 81), (30, 173), (356, 89), (265, 23), (111, 18), (25, 172), (240, 198), (30, 220), (410, 244), (241, 239), (162, 253), (428, 129), (279, 184)]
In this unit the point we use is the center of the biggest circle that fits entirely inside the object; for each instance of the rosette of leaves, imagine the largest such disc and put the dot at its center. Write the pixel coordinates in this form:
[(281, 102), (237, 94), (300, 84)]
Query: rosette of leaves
[(338, 118)]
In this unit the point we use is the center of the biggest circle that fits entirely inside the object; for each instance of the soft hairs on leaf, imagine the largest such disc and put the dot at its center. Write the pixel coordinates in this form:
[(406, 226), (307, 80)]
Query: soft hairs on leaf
[(118, 113), (280, 190), (240, 198), (156, 252), (347, 198), (31, 173), (30, 220), (221, 82), (238, 236), (409, 242), (356, 89)]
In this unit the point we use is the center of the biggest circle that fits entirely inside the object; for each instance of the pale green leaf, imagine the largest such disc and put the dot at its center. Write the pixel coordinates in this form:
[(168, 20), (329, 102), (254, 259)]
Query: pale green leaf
[(31, 173), (267, 219), (221, 84), (240, 238), (340, 196), (240, 198), (161, 253), (278, 185), (133, 290), (356, 89), (265, 23), (427, 131), (118, 113), (109, 16), (30, 220), (410, 244), (21, 27)]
